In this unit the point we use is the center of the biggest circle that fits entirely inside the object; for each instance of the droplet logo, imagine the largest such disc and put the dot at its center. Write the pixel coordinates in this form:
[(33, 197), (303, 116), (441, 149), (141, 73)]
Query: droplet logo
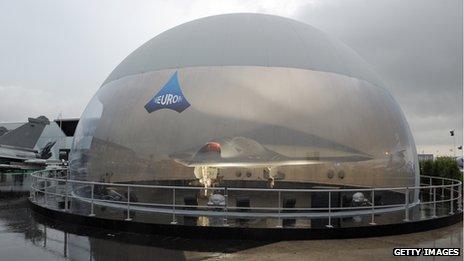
[(169, 97)]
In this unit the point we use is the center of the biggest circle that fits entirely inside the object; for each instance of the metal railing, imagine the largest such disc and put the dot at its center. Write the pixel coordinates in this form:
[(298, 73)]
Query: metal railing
[(52, 187)]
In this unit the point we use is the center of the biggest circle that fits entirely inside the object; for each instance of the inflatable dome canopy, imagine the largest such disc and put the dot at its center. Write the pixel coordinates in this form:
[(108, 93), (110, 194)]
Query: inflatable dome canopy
[(250, 99)]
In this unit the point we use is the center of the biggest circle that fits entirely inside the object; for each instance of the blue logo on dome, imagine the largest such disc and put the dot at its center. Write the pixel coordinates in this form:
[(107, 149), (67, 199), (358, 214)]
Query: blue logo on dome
[(169, 97)]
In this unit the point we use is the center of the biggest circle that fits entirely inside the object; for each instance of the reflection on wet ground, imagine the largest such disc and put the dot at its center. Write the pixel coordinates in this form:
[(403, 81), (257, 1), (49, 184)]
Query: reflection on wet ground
[(28, 236)]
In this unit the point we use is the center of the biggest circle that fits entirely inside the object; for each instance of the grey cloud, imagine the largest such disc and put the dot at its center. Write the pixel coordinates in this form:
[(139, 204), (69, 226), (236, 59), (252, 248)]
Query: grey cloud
[(416, 48)]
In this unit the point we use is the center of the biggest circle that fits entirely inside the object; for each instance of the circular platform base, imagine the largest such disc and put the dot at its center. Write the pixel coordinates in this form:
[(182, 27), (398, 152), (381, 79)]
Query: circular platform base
[(251, 233)]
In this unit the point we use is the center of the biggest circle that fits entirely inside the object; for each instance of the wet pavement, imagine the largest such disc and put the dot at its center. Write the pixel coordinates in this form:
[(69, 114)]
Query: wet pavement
[(25, 235)]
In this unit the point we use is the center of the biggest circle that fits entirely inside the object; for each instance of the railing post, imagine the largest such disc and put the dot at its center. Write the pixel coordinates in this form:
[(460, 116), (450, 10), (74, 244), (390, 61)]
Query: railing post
[(45, 192), (54, 186), (373, 208), (226, 197), (406, 205), (128, 218), (35, 189), (430, 186), (31, 189), (452, 199), (66, 206), (330, 210), (92, 191), (459, 198), (279, 208), (174, 221), (434, 203), (442, 188)]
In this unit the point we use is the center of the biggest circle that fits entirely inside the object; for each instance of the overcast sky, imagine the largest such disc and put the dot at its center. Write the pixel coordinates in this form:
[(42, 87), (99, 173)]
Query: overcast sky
[(54, 55)]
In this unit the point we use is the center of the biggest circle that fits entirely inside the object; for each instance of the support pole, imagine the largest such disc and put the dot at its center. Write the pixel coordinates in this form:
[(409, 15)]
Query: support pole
[(226, 203), (459, 199), (330, 211), (434, 203), (128, 218), (279, 208), (373, 208), (32, 191), (66, 206), (430, 185), (92, 194), (442, 188), (406, 206), (174, 221), (452, 200), (45, 192)]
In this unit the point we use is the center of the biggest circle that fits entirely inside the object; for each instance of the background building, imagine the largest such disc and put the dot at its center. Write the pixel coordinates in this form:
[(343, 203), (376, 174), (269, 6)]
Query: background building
[(423, 157)]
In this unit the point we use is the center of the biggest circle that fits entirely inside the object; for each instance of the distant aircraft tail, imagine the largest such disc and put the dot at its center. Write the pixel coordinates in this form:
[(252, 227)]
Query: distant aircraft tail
[(3, 130), (25, 136)]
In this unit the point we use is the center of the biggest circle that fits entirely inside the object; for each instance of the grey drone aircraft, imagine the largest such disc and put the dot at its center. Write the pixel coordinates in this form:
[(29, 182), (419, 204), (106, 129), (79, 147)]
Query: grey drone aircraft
[(245, 152)]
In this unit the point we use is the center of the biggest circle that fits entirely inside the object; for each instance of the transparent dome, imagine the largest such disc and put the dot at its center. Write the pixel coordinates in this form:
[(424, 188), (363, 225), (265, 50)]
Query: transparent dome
[(248, 100)]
